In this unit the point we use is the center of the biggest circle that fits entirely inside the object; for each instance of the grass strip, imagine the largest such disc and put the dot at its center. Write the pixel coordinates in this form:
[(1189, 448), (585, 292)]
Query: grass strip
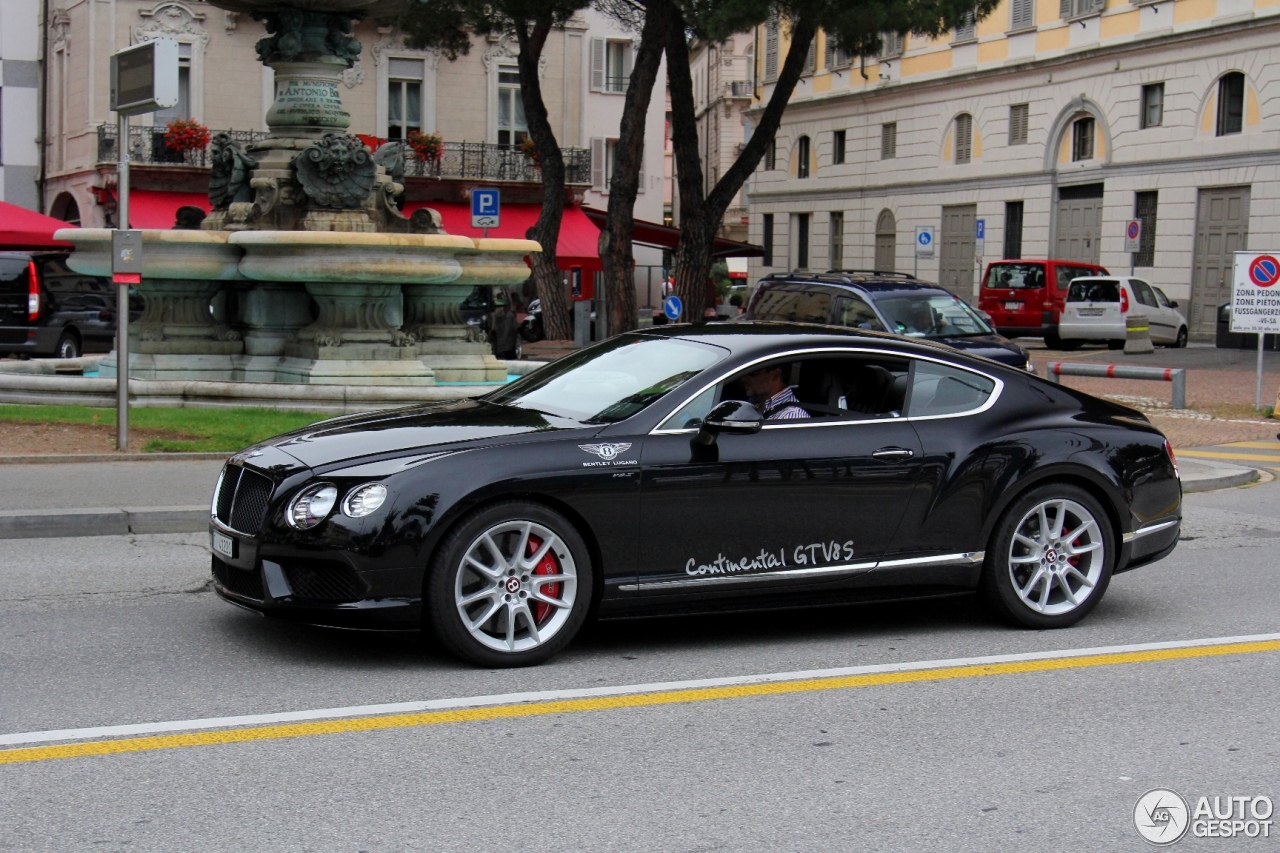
[(205, 430)]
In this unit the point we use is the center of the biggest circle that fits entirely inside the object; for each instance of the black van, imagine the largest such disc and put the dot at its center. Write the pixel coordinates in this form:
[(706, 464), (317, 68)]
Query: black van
[(46, 309)]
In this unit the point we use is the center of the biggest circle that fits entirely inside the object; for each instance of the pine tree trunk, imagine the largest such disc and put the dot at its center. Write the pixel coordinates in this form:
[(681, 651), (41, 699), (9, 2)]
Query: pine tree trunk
[(615, 238)]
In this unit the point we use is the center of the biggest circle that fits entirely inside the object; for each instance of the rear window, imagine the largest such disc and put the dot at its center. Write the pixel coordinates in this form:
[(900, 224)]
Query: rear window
[(797, 306), (1094, 291), (14, 271), (1015, 276)]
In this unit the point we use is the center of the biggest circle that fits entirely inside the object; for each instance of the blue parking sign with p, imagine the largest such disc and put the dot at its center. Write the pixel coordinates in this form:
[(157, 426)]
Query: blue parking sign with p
[(485, 207)]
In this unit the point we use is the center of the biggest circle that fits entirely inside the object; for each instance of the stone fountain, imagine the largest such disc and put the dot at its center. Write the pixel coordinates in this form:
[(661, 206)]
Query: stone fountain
[(313, 273)]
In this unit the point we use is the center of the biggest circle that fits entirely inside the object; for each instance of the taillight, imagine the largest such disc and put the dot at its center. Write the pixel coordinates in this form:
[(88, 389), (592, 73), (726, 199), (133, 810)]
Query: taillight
[(1173, 460), (1124, 305), (33, 293)]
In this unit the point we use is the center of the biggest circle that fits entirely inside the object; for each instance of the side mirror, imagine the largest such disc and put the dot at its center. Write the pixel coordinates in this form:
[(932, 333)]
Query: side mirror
[(735, 416), (1173, 303)]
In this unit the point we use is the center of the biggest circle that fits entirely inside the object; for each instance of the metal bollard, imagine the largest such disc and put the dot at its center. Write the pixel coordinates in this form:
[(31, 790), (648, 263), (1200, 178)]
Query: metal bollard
[(1137, 334), (1176, 375)]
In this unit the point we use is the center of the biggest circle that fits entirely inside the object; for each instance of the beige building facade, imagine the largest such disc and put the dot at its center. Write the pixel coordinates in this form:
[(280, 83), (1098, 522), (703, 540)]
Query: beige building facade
[(1041, 132)]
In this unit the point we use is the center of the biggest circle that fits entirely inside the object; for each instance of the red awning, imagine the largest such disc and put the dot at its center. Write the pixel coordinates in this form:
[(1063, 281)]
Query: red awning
[(25, 229), (666, 237), (158, 209), (578, 236)]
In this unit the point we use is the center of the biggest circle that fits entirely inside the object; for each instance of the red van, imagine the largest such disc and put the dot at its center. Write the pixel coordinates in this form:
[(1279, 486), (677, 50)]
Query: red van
[(1024, 297)]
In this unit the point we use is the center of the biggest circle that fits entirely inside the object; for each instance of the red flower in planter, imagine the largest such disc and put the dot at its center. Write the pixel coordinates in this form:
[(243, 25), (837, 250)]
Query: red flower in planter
[(428, 146), (186, 134)]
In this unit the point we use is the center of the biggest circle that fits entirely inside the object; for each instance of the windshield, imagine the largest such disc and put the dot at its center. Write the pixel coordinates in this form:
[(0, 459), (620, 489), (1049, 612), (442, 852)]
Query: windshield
[(611, 381), (1015, 276), (937, 315)]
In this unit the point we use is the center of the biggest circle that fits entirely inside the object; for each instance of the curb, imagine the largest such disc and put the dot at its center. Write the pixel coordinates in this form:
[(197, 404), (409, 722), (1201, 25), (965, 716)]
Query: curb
[(53, 524), (1223, 481)]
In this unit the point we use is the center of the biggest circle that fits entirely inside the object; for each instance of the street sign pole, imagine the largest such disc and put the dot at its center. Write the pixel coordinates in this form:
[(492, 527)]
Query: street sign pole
[(122, 290)]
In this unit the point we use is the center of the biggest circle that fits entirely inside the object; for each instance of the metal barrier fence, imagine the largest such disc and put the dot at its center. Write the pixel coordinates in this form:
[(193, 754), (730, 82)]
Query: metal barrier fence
[(1176, 375)]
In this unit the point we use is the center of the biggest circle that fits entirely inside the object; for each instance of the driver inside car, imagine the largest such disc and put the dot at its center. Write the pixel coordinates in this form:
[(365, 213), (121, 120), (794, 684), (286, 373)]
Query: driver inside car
[(768, 390)]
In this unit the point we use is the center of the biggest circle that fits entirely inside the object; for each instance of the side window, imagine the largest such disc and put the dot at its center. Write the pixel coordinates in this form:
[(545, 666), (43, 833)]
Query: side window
[(1161, 298), (937, 389), (852, 388), (1143, 291), (692, 414), (857, 314), (799, 306), (1065, 275)]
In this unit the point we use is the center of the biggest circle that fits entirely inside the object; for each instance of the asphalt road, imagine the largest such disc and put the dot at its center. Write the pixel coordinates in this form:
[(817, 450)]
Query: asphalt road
[(111, 631)]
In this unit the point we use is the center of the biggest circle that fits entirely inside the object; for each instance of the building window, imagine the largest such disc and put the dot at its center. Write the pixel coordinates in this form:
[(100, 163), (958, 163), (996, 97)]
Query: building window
[(610, 65), (836, 253), (771, 154), (967, 31), (1231, 104), (837, 147), (603, 154), (1019, 117), (802, 157), (404, 97), (1022, 16), (771, 48), (889, 140), (836, 56), (891, 45), (1152, 105), (181, 109), (512, 129), (1080, 8), (1013, 229), (811, 58), (800, 236), (1144, 210), (766, 239), (964, 138), (1082, 139)]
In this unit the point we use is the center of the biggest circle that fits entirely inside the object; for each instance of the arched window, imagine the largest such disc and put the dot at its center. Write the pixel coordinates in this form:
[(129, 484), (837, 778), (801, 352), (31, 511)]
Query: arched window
[(1230, 104), (886, 241), (802, 157), (64, 207)]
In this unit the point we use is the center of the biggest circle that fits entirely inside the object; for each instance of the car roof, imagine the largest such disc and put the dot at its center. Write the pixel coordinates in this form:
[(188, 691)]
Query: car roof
[(868, 282)]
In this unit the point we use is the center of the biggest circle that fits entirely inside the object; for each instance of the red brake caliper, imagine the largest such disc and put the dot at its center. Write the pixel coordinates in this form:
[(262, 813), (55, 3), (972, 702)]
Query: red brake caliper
[(546, 566), (1073, 561)]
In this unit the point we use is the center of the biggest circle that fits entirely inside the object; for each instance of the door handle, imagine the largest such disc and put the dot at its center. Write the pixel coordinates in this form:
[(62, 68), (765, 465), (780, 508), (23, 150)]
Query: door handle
[(893, 454)]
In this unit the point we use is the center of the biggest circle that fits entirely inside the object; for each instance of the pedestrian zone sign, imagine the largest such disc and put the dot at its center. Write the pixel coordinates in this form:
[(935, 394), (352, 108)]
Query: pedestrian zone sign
[(1255, 293), (924, 241)]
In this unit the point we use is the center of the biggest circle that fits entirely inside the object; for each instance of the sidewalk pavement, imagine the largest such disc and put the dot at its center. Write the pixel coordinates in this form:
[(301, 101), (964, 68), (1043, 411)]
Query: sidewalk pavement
[(104, 497)]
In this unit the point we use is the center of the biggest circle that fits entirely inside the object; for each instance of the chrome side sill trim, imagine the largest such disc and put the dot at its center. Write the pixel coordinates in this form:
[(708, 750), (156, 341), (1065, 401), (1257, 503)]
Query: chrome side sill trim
[(1148, 530), (965, 559)]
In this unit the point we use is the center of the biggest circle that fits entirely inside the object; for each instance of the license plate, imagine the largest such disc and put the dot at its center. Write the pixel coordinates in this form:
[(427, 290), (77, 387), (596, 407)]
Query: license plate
[(1013, 306), (1092, 312), (223, 544)]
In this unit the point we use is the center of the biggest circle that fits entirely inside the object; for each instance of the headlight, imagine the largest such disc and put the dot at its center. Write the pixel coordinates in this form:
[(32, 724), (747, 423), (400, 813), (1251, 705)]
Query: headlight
[(364, 500), (312, 505), (1031, 366), (217, 490)]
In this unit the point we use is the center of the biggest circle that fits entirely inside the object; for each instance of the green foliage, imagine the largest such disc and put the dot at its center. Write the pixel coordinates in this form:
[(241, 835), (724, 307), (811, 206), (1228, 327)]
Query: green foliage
[(1268, 411), (448, 25), (195, 429), (720, 275)]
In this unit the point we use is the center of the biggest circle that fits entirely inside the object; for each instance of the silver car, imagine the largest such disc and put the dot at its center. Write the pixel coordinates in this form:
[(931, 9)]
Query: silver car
[(1096, 307)]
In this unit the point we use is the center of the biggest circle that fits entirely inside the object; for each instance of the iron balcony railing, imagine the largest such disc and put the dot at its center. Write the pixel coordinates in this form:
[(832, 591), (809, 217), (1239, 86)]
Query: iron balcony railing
[(741, 89), (146, 145), (480, 161)]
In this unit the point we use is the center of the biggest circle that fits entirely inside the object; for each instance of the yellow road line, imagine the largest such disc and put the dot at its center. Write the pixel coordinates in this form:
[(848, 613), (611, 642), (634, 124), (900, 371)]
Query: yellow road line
[(1259, 445), (1218, 454), (636, 700)]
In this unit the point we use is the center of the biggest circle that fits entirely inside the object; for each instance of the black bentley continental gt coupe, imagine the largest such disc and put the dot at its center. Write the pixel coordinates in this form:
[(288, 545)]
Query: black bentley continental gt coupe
[(646, 475)]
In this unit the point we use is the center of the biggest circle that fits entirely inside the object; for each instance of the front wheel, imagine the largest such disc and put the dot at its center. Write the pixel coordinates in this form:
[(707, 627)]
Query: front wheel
[(510, 586), (1182, 338), (1116, 344), (1050, 558)]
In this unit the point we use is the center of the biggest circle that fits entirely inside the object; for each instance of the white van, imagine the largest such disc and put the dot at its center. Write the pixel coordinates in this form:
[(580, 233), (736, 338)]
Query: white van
[(1096, 307)]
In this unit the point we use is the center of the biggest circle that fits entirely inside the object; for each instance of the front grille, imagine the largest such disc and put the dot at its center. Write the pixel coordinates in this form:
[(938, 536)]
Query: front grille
[(322, 581), (238, 581), (242, 500)]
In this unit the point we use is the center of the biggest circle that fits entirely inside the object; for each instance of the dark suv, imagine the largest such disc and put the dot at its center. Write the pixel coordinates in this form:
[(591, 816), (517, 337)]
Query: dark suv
[(884, 302), (46, 309)]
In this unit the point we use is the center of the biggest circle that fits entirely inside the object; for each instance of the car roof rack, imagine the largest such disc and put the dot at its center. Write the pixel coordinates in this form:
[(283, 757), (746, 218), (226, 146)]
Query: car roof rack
[(877, 273)]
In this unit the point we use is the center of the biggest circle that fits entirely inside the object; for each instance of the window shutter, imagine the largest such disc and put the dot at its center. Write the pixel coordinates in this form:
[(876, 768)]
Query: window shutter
[(597, 163), (1098, 5), (628, 59), (1064, 8), (1018, 121), (1023, 14), (811, 58), (889, 141), (964, 138), (967, 30), (829, 56), (640, 178), (771, 48), (597, 65)]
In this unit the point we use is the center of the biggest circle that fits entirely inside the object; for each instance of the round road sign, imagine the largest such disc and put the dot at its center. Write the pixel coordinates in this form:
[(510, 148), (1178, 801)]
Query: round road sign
[(1132, 231), (672, 306), (1264, 271)]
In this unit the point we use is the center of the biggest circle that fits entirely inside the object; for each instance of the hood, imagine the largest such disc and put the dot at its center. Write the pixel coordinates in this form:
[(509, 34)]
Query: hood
[(437, 426), (994, 347)]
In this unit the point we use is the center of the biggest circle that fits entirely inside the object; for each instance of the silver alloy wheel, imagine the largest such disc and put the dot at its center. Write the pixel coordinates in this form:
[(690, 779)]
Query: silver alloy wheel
[(1056, 556), (510, 596)]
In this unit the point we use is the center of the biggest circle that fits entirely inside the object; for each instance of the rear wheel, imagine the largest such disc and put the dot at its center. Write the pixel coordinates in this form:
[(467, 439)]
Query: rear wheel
[(68, 346), (1052, 341), (510, 586), (1050, 558)]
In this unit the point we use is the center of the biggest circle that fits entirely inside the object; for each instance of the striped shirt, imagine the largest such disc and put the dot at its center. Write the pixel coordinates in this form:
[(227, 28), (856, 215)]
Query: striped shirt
[(784, 406)]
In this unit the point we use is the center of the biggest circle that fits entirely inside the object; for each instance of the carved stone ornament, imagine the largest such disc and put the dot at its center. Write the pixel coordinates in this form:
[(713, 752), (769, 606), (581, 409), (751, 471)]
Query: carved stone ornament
[(336, 171), (506, 51), (169, 19), (392, 43), (354, 75), (390, 156), (229, 173), (297, 36), (59, 30)]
